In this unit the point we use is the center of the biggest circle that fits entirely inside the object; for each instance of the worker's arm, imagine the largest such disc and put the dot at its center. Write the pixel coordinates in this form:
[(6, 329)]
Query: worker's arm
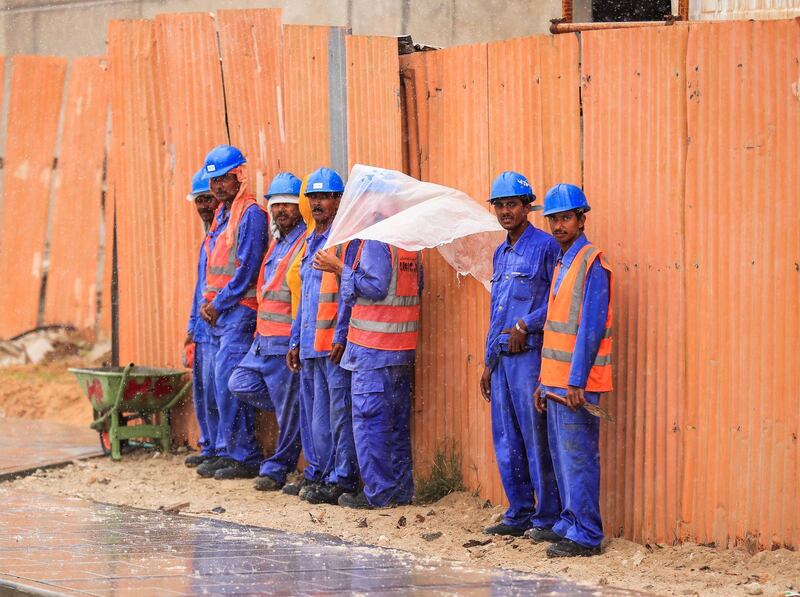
[(592, 326), (197, 298), (343, 311), (372, 276), (534, 321), (252, 246)]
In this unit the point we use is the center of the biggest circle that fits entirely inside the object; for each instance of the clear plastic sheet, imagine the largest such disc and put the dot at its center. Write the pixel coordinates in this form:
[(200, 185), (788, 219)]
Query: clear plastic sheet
[(394, 208)]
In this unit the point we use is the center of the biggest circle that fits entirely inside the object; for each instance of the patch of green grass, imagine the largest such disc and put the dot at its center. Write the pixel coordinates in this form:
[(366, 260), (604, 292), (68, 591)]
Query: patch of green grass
[(445, 475)]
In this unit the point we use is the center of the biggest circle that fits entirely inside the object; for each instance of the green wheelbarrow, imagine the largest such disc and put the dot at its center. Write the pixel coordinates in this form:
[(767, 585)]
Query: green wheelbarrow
[(120, 396)]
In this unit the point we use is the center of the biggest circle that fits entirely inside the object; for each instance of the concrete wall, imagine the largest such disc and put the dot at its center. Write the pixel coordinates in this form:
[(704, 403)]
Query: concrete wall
[(78, 27)]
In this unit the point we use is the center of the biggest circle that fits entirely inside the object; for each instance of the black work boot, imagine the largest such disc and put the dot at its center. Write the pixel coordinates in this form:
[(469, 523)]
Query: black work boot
[(267, 483), (236, 470), (355, 500), (324, 494), (197, 459), (209, 467), (504, 529), (566, 548), (542, 534), (294, 488)]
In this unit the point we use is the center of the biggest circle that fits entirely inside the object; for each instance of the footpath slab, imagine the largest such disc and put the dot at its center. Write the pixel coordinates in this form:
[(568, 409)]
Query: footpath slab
[(54, 545)]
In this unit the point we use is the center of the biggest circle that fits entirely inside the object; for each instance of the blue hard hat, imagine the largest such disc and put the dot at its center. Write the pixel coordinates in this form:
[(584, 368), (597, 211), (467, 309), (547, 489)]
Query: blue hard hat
[(284, 183), (324, 180), (511, 184), (221, 160), (199, 185), (564, 197)]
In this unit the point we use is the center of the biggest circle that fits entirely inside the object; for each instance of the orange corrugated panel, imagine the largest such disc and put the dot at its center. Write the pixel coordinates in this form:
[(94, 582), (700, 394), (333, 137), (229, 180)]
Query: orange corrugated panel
[(141, 169), (374, 132), (634, 159), (252, 59), (742, 253), (194, 111), (37, 85), (75, 229), (306, 101)]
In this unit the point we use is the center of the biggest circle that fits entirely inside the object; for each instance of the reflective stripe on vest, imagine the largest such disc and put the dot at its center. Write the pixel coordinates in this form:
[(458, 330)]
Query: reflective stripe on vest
[(328, 306), (391, 323), (222, 264), (275, 300), (563, 321)]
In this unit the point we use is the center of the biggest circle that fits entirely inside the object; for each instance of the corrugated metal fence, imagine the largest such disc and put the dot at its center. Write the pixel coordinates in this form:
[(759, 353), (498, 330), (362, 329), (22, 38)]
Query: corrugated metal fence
[(685, 139)]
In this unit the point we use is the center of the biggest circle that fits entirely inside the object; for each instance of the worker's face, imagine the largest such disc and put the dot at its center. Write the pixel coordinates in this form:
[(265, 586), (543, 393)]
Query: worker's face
[(511, 212), (324, 207), (225, 187), (286, 216), (206, 205), (566, 226)]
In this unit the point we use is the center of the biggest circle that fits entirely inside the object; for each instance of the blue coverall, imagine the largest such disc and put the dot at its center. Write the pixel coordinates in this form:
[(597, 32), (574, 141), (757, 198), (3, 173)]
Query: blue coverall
[(205, 405), (381, 390), (574, 435), (233, 333), (520, 284), (326, 424), (264, 381)]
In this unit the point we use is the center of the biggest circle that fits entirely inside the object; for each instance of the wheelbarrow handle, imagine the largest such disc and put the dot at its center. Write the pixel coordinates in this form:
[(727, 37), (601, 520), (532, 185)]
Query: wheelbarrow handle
[(97, 424), (179, 396)]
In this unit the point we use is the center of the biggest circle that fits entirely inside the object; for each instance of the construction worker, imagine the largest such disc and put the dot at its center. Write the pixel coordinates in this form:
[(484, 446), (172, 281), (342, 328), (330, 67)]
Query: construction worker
[(198, 341), (262, 379), (522, 267), (234, 246), (383, 286), (319, 335), (576, 369)]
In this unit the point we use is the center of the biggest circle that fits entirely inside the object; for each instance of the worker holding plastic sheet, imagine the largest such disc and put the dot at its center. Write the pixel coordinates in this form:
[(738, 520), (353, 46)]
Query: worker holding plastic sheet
[(262, 379), (576, 369), (235, 247), (523, 264), (383, 286), (197, 345), (319, 336)]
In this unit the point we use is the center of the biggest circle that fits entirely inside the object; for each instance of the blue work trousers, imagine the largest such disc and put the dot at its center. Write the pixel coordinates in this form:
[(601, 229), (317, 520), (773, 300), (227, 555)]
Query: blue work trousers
[(574, 444), (326, 423), (236, 432), (205, 406), (521, 445), (266, 383), (382, 430)]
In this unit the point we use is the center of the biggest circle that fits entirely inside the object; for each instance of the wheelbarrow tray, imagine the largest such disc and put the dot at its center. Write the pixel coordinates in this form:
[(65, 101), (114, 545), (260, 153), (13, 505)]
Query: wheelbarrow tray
[(148, 389)]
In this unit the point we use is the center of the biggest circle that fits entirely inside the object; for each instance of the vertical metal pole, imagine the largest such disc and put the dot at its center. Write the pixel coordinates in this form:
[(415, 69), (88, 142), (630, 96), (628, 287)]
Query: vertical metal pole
[(114, 294)]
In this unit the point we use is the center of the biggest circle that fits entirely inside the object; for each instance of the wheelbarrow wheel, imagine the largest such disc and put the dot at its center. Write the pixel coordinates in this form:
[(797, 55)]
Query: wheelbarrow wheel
[(105, 436)]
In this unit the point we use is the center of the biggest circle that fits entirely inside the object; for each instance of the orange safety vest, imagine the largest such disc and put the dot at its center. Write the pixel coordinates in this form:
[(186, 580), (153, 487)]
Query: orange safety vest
[(561, 327), (275, 298), (391, 323), (222, 263), (328, 306)]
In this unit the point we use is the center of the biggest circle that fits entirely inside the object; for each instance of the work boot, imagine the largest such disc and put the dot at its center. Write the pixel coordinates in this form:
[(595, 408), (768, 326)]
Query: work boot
[(324, 494), (209, 467), (504, 529), (197, 459), (267, 483), (294, 488), (306, 488), (236, 470), (355, 500), (542, 534), (567, 548)]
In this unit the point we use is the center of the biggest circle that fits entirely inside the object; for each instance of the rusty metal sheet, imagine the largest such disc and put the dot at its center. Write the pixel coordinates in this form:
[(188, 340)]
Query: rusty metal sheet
[(741, 462), (141, 168), (374, 131), (251, 46), (634, 122), (71, 294), (194, 113), (34, 107)]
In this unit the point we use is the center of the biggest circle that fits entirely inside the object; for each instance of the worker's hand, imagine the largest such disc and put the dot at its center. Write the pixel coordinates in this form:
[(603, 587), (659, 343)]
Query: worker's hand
[(293, 359), (575, 398), (516, 339), (337, 350), (539, 400), (328, 262), (209, 313), (486, 384)]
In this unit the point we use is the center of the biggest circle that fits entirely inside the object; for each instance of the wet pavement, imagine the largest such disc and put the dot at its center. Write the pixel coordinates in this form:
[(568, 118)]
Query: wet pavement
[(27, 445), (66, 546)]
